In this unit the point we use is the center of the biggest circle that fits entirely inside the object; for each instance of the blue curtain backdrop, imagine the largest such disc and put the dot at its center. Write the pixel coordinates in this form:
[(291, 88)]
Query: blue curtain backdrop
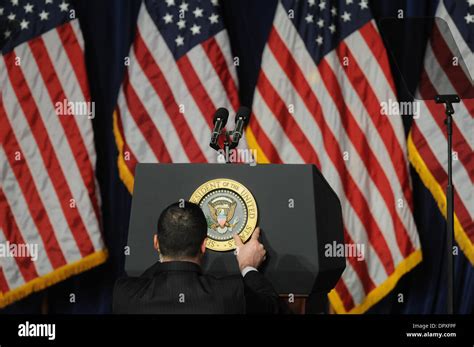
[(108, 27)]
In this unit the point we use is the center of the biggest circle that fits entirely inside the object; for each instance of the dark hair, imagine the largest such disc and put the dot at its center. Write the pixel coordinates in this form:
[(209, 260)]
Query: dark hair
[(181, 229)]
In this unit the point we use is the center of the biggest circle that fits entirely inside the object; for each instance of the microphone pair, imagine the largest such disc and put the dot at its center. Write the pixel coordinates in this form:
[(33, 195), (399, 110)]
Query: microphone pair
[(220, 120)]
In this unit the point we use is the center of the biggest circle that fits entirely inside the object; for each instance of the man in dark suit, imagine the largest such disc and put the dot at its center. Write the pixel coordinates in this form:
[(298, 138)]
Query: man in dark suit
[(176, 283)]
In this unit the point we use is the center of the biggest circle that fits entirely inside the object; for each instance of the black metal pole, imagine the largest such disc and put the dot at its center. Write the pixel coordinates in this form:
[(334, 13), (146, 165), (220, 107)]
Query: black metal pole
[(450, 219), (448, 100)]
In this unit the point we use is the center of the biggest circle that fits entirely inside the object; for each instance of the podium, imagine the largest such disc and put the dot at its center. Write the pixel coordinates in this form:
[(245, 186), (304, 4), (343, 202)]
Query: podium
[(298, 212)]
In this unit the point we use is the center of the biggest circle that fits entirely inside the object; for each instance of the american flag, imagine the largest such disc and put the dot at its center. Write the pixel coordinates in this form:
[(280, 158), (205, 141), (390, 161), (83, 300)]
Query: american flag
[(427, 139), (49, 198), (180, 71), (324, 74)]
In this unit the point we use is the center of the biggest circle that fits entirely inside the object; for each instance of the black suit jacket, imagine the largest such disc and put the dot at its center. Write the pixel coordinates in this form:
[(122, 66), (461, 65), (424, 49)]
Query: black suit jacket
[(180, 287)]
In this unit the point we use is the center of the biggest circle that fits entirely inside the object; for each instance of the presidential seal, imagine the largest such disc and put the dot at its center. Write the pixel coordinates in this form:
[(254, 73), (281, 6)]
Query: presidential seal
[(230, 208)]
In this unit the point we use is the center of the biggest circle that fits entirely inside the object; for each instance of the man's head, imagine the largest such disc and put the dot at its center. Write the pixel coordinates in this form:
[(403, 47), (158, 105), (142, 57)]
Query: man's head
[(181, 232)]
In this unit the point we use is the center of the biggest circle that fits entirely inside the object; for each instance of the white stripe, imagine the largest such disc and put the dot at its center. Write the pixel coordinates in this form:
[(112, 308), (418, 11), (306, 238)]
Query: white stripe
[(60, 145), (10, 268), (372, 136), (77, 31), (223, 42), (209, 78), (436, 140), (354, 165), (353, 284), (436, 74), (274, 131), (312, 132), (377, 80), (159, 50), (30, 150), (21, 213), (458, 40), (155, 109), (133, 135), (213, 85), (71, 87)]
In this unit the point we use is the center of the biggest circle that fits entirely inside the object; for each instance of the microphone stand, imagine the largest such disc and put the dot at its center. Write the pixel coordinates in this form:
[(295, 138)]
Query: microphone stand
[(448, 101), (227, 144)]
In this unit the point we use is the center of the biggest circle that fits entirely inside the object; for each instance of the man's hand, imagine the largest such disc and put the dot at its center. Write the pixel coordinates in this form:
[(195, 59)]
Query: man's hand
[(252, 253)]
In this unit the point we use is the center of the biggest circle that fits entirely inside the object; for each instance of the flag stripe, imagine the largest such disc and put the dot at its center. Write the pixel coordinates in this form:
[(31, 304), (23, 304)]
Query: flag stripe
[(369, 163), (25, 180), (432, 75), (13, 274), (263, 141), (371, 95), (353, 192), (38, 129), (217, 59), (460, 145), (69, 80), (13, 235), (375, 44), (292, 130), (196, 89), (222, 41), (62, 140), (75, 54), (3, 281), (162, 88), (275, 133), (153, 106), (68, 123), (345, 295), (175, 88), (144, 122), (444, 56), (376, 158), (21, 212), (359, 266), (438, 171)]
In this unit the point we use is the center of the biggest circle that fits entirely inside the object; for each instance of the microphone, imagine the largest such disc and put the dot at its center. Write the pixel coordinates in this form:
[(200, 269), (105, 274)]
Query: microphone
[(241, 120), (220, 120)]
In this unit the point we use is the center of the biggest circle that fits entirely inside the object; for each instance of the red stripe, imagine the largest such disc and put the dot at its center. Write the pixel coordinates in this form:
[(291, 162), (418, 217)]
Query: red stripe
[(13, 235), (454, 73), (377, 47), (440, 175), (367, 96), (360, 266), (195, 87), (286, 120), (163, 90), (68, 123), (33, 116), (25, 180), (3, 282), (460, 145), (264, 142), (144, 122), (218, 62), (76, 56), (345, 295), (132, 160), (366, 93), (371, 163), (331, 144)]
